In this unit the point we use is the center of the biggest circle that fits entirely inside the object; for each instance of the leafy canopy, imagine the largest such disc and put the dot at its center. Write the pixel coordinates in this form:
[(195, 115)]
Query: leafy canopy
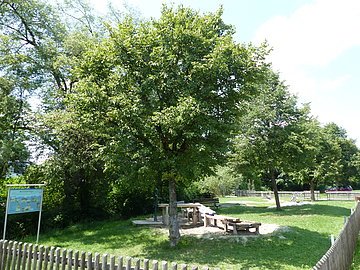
[(169, 90)]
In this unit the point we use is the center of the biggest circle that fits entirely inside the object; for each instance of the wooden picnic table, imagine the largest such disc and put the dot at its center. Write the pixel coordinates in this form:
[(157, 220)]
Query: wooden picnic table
[(193, 206)]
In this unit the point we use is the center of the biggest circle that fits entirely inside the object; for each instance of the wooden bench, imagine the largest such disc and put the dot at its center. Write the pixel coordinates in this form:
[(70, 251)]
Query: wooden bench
[(235, 224), (245, 226), (213, 220)]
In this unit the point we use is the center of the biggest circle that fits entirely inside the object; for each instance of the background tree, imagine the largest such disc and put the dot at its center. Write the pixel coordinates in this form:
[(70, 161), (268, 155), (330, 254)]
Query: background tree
[(270, 136), (323, 162), (348, 149), (169, 89), (14, 154)]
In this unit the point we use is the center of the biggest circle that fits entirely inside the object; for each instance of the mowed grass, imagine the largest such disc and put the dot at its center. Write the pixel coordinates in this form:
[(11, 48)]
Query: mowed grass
[(305, 237), (356, 260)]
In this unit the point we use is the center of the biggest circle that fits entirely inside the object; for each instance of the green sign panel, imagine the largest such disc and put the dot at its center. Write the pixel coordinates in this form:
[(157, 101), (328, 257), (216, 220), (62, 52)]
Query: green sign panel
[(24, 200)]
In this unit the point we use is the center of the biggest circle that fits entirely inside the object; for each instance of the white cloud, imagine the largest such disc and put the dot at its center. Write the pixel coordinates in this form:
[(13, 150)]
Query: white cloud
[(315, 34), (311, 39)]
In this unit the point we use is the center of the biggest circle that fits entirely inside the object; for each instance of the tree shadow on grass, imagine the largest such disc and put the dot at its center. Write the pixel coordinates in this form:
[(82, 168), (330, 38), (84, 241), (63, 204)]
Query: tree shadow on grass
[(109, 236), (297, 248)]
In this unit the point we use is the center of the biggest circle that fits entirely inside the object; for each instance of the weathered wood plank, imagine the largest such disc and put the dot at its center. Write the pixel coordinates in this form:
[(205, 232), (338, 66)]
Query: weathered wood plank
[(8, 255), (83, 260), (52, 258), (69, 260), (14, 255), (20, 255), (112, 262), (104, 262), (76, 260), (120, 263), (46, 258), (41, 257), (63, 259), (29, 257), (89, 261), (24, 256), (97, 261), (57, 259)]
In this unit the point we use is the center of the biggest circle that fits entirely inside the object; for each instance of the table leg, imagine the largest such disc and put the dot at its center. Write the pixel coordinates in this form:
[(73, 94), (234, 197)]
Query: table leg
[(165, 215), (195, 216)]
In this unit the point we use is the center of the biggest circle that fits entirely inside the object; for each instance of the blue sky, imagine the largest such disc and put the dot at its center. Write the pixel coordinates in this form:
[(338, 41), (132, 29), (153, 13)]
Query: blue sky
[(316, 47)]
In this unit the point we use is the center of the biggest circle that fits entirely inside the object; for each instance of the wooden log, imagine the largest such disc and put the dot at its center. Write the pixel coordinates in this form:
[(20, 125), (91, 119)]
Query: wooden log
[(174, 266), (183, 267), (164, 265)]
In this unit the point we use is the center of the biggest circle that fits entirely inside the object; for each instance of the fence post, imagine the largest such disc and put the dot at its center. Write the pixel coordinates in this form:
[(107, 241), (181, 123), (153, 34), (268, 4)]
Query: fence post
[(146, 264), (89, 261), (155, 265), (104, 262), (332, 239), (30, 254)]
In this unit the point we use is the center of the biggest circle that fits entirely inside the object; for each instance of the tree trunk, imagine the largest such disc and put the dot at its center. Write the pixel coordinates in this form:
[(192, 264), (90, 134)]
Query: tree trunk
[(174, 233), (276, 193), (312, 190)]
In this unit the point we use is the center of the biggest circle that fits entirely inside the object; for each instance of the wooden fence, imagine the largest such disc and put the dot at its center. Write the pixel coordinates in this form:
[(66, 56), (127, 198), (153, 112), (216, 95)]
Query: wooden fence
[(24, 256), (340, 254), (342, 195), (305, 195)]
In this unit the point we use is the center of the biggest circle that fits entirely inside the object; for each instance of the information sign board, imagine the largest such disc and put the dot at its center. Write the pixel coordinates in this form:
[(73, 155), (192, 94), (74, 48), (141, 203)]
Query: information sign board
[(24, 200)]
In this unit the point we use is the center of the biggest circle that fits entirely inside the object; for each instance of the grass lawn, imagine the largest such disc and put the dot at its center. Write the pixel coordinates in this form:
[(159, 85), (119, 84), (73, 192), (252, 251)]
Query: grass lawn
[(300, 246)]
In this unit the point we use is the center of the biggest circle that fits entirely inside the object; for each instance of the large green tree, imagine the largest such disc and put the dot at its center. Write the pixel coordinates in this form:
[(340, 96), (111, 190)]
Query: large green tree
[(168, 92)]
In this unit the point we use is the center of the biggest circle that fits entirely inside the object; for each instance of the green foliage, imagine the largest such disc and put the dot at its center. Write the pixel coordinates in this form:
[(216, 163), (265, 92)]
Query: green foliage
[(167, 90), (223, 182)]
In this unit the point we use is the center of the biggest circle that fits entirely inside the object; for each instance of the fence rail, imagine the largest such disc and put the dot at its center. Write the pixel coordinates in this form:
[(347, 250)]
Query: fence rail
[(340, 254), (25, 256)]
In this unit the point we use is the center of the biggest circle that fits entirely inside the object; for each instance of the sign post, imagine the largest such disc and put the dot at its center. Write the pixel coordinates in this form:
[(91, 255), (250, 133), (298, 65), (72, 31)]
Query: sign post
[(24, 200)]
